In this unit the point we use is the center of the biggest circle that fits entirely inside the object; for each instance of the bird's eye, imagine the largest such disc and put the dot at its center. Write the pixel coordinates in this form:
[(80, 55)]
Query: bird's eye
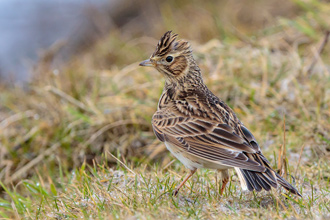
[(169, 59)]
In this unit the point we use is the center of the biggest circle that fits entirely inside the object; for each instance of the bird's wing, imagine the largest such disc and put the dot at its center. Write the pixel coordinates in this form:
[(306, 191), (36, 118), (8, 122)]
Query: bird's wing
[(207, 139)]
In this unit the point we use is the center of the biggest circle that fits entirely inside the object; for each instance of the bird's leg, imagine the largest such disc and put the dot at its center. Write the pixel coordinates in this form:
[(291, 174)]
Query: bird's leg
[(225, 180), (175, 192), (224, 183)]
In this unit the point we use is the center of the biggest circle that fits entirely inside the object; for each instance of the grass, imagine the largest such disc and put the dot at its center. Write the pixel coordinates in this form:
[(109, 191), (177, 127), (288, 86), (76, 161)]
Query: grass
[(58, 135), (102, 192)]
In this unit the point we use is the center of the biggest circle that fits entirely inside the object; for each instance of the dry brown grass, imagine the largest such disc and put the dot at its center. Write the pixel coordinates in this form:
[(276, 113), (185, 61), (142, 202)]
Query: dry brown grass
[(89, 108)]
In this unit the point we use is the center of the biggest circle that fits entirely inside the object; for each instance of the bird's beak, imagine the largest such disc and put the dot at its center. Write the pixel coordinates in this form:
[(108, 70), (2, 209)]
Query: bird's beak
[(147, 63)]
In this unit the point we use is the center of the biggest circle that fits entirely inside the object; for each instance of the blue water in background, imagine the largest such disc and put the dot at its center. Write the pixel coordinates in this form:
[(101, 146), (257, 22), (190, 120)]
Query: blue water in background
[(26, 26)]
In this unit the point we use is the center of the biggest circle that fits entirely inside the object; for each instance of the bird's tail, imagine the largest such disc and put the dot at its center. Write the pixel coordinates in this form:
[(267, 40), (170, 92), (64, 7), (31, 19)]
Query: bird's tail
[(253, 180), (287, 185)]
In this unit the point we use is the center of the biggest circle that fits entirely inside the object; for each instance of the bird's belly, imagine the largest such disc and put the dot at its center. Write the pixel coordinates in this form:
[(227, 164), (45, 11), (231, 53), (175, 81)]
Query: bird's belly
[(182, 157), (193, 162)]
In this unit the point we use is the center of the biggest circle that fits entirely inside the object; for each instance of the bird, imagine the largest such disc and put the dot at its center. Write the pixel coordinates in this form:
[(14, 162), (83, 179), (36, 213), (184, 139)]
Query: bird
[(200, 129)]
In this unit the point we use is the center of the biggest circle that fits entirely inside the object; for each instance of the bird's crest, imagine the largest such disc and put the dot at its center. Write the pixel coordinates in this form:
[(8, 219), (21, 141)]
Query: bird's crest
[(168, 42)]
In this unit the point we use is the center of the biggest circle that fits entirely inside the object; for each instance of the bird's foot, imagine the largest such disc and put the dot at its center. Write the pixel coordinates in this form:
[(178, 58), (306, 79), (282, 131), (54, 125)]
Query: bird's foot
[(175, 192)]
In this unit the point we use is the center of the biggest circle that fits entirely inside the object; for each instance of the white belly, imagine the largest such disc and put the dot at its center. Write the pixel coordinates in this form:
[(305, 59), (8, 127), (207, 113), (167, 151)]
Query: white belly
[(180, 156), (190, 161)]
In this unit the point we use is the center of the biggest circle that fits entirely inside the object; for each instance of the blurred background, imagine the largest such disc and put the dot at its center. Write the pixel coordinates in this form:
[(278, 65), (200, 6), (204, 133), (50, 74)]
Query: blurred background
[(59, 29), (66, 26), (71, 89)]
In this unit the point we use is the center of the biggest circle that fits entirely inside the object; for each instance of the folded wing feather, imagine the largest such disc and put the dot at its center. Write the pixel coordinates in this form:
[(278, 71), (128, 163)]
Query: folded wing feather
[(207, 140)]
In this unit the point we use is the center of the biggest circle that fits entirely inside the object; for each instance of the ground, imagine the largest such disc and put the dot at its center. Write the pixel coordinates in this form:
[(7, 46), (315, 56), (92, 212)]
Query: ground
[(78, 143)]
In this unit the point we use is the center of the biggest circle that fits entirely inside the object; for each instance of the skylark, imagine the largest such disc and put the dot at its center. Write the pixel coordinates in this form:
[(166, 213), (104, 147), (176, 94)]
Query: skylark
[(198, 128)]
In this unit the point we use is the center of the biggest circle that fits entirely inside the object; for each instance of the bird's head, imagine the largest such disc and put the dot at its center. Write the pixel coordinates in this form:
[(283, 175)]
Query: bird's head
[(172, 57)]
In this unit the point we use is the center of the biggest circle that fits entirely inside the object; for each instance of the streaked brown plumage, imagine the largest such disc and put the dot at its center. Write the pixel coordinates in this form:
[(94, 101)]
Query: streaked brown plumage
[(199, 128)]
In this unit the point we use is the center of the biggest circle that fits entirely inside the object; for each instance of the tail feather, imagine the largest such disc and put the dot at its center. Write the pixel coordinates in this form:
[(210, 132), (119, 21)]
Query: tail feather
[(251, 178), (250, 183), (263, 182), (254, 180), (287, 185), (266, 180), (257, 180)]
